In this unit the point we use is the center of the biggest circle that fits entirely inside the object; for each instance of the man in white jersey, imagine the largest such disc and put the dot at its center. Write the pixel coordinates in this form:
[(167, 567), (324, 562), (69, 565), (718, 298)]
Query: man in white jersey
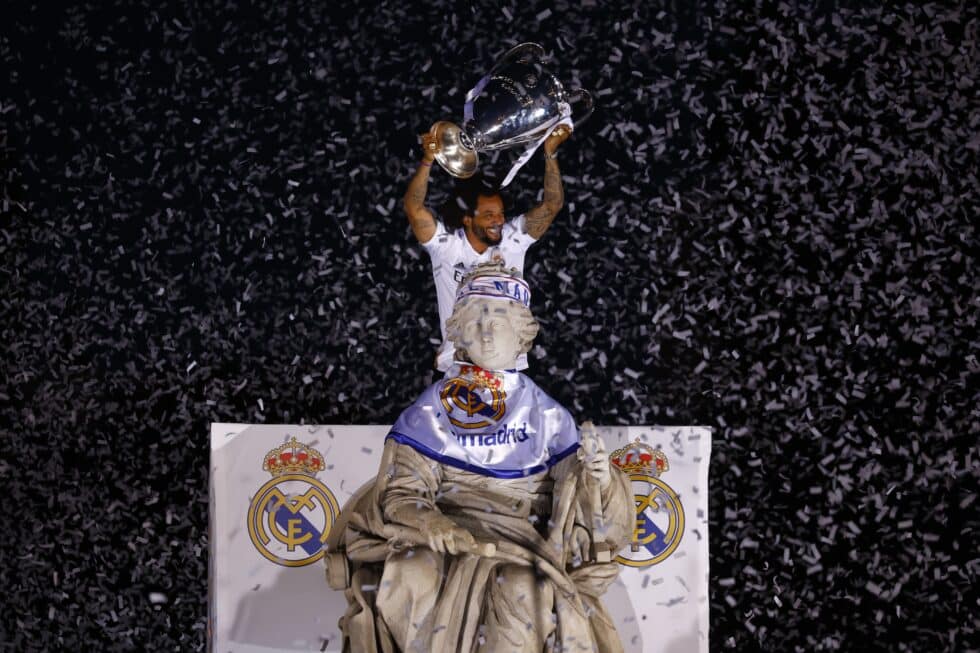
[(486, 235)]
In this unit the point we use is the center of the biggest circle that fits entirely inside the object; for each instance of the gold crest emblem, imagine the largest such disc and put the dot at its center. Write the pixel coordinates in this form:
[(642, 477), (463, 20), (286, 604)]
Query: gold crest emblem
[(659, 513), (290, 516)]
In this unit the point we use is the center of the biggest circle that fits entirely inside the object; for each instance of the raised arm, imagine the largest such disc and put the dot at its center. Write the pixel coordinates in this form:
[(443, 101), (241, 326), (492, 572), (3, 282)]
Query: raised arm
[(538, 219), (420, 218)]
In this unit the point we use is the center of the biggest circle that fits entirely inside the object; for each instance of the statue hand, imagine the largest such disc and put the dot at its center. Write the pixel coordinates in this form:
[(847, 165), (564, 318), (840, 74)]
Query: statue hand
[(445, 536), (579, 546)]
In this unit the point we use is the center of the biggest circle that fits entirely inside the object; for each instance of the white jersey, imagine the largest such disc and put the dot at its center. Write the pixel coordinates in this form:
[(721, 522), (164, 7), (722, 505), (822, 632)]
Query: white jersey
[(453, 256)]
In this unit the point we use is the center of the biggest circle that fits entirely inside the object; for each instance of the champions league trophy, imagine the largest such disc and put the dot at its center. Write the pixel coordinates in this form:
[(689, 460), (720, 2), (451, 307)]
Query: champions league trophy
[(517, 103)]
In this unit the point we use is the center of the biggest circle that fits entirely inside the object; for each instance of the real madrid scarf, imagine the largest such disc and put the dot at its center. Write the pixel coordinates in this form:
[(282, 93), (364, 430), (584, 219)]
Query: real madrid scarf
[(498, 424)]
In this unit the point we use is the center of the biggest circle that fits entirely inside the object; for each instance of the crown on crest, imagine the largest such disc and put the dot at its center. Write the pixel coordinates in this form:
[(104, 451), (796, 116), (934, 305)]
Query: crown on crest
[(482, 377), (294, 457), (640, 458)]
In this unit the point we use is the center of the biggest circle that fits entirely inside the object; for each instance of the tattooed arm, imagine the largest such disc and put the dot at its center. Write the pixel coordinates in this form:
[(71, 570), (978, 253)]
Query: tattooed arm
[(420, 218), (538, 219)]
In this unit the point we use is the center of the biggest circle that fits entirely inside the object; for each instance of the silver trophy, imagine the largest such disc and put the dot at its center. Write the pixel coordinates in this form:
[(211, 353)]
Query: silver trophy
[(517, 103)]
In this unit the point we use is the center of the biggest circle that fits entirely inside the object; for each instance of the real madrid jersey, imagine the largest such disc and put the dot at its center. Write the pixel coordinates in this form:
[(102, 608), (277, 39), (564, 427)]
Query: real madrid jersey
[(453, 256)]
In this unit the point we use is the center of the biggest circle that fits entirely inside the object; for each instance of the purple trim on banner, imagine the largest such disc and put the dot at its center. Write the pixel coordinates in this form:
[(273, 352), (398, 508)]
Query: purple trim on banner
[(476, 469), (494, 296)]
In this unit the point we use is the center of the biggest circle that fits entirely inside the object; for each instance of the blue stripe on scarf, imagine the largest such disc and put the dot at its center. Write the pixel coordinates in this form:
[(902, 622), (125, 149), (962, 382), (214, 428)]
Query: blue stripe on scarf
[(476, 469)]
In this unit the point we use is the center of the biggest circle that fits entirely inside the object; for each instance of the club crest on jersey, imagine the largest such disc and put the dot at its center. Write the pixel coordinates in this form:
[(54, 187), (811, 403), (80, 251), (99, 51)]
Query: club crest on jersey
[(475, 399), (659, 523), (289, 518)]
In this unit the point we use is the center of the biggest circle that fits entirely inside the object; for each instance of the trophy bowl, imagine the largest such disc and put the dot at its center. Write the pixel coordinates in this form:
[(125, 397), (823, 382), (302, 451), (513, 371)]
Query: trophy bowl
[(517, 103)]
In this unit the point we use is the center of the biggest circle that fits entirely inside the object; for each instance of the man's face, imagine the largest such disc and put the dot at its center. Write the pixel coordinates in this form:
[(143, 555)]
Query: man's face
[(489, 336), (488, 221)]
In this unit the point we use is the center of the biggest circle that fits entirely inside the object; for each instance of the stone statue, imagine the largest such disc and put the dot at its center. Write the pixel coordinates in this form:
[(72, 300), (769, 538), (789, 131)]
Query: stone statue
[(493, 520)]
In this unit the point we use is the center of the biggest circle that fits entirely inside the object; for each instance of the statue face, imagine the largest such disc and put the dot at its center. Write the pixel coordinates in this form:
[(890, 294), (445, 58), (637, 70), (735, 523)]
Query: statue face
[(489, 336)]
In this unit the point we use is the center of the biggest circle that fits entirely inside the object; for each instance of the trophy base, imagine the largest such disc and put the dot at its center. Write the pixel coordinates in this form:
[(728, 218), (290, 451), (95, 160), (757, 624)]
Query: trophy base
[(454, 157)]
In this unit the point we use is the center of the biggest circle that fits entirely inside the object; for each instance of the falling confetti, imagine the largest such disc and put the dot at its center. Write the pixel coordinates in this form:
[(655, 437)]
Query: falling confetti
[(770, 228)]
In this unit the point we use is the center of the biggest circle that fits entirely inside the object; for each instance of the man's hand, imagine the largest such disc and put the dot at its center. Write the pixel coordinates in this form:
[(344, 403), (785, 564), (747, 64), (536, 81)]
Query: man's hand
[(558, 136), (429, 147)]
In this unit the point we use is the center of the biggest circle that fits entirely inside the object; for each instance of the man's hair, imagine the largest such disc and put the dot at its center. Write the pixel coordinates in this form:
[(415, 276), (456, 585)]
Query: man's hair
[(468, 191)]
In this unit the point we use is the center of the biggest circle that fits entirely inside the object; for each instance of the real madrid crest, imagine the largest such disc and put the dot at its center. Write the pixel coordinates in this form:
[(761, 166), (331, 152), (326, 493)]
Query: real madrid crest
[(290, 516), (475, 399), (659, 514)]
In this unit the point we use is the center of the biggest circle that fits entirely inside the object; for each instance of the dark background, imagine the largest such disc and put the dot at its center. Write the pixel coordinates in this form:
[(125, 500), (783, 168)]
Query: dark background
[(770, 229)]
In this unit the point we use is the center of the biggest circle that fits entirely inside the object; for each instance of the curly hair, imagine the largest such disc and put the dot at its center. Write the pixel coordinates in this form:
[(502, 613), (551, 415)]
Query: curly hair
[(468, 191)]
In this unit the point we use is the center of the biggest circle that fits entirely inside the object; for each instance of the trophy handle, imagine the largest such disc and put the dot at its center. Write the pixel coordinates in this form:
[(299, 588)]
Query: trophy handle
[(583, 96), (529, 51)]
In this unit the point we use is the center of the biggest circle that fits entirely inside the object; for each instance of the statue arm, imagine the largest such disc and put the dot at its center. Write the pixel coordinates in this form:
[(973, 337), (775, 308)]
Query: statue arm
[(618, 510), (605, 491), (410, 487), (409, 499)]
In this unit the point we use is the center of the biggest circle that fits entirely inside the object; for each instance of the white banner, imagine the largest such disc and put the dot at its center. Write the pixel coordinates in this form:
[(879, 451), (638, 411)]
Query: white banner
[(268, 592)]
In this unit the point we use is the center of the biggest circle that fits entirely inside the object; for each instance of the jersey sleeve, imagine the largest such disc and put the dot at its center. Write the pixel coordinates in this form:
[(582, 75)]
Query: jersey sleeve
[(514, 232), (440, 244)]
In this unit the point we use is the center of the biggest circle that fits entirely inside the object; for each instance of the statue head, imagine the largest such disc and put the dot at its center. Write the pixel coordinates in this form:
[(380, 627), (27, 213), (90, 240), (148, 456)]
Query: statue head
[(491, 324)]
